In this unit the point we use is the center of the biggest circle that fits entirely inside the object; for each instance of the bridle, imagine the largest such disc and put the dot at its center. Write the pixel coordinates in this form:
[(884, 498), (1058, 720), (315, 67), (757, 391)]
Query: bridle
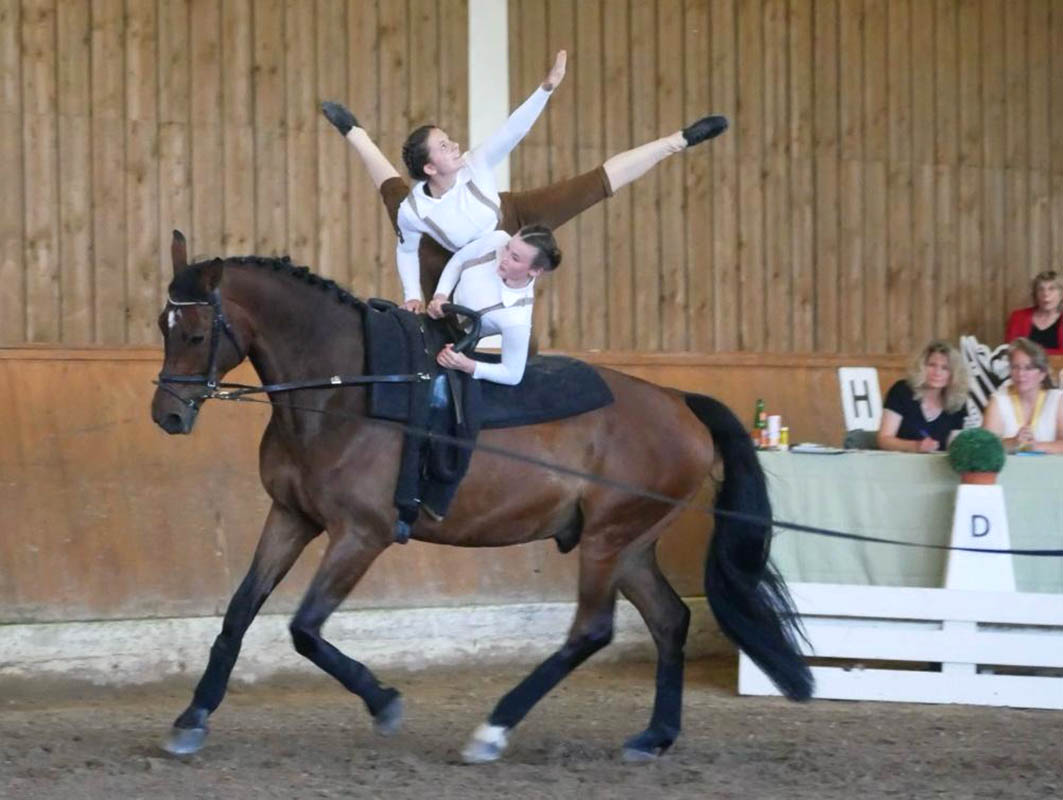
[(213, 390)]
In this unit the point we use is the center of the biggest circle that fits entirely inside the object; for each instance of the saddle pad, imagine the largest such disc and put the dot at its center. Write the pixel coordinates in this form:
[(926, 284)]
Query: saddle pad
[(553, 387)]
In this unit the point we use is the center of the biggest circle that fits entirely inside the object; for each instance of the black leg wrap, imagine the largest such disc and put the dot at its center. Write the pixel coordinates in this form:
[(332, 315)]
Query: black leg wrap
[(667, 711), (355, 676), (512, 708)]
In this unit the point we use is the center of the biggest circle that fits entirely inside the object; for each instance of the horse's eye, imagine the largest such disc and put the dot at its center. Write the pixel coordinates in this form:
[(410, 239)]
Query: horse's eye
[(195, 338)]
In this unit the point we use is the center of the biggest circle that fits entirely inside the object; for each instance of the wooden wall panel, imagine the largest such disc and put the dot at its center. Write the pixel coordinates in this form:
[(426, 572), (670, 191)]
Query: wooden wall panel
[(894, 169), (12, 257), (39, 132)]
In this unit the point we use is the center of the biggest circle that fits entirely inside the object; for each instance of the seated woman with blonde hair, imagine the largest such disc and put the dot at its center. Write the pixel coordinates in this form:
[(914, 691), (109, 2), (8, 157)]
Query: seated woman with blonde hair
[(1026, 413), (924, 411)]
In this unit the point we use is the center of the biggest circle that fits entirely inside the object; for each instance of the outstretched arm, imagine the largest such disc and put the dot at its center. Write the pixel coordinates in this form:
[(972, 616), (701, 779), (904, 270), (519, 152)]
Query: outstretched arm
[(409, 264), (502, 141)]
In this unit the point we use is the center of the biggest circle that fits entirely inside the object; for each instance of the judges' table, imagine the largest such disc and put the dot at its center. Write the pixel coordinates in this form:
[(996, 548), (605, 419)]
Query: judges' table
[(910, 498)]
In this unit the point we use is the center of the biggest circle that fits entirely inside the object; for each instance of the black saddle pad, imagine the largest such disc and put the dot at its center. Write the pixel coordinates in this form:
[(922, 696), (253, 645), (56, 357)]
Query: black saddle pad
[(553, 387)]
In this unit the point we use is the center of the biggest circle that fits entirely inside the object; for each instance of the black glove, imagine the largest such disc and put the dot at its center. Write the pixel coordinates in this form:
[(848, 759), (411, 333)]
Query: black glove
[(339, 116)]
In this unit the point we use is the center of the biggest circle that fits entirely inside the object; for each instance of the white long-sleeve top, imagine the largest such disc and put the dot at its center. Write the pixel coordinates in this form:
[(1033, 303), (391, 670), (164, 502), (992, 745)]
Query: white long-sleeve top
[(472, 274), (471, 207)]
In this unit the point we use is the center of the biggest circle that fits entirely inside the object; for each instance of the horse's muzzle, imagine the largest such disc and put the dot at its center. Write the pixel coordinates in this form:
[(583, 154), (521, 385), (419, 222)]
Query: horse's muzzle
[(170, 414)]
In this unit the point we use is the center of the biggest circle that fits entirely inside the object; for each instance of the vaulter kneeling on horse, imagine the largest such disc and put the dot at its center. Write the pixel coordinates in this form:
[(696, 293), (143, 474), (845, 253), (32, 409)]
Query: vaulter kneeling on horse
[(495, 275)]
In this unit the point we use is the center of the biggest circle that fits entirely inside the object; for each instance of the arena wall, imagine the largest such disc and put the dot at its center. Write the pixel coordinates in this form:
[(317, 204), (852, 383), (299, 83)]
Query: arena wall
[(107, 517)]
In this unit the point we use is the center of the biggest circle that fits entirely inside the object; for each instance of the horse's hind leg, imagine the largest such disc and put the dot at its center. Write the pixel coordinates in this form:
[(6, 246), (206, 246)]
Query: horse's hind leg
[(348, 557), (668, 619), (283, 538), (591, 631)]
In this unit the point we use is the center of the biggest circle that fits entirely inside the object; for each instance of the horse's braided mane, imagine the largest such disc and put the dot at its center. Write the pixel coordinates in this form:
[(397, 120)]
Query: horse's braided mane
[(185, 285)]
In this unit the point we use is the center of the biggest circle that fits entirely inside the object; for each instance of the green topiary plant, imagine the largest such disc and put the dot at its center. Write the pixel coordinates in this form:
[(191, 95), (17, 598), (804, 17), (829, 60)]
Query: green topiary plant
[(976, 450)]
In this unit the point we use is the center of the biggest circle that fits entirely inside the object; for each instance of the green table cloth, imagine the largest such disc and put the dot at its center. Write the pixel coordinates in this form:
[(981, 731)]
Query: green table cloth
[(910, 498)]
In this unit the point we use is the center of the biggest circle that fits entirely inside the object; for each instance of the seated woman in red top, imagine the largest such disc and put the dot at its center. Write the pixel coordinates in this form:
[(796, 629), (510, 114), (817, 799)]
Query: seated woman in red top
[(1041, 322)]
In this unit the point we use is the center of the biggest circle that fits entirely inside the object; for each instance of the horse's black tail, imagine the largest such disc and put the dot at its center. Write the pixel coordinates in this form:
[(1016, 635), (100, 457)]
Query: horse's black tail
[(744, 590)]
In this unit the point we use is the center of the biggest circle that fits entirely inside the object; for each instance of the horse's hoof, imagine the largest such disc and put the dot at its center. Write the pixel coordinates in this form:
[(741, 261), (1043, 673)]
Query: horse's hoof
[(633, 755), (487, 744), (389, 719), (185, 741)]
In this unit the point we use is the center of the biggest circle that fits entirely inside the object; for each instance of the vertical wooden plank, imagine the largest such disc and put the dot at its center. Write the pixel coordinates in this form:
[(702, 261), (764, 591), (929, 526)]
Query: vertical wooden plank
[(826, 147), (563, 285), (424, 61), (454, 67), (269, 102), (617, 109), (238, 133), (946, 148), (587, 84), (970, 296), (923, 313), (644, 192), (142, 173), (697, 220), (328, 151), (207, 121), (725, 178), (993, 108), (1016, 151), (778, 288), (750, 170), (899, 178), (300, 124), (42, 171), (175, 147), (1039, 143), (851, 243), (75, 173), (802, 188), (876, 152), (372, 242), (672, 176), (534, 60), (12, 264), (395, 120), (1056, 131), (108, 165)]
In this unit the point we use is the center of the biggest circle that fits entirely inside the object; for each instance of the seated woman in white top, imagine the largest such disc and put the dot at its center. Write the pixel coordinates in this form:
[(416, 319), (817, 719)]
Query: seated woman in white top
[(1027, 413), (456, 200), (496, 276)]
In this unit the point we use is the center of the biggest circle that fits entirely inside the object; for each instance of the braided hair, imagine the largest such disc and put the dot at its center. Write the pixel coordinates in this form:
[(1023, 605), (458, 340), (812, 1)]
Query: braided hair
[(548, 255), (415, 152)]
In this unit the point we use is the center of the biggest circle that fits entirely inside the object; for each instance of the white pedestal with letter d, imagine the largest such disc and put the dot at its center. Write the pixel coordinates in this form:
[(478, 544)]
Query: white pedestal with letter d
[(980, 521), (986, 637)]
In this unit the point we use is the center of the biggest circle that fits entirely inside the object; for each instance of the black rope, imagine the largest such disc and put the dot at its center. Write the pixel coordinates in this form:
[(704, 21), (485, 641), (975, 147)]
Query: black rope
[(642, 492)]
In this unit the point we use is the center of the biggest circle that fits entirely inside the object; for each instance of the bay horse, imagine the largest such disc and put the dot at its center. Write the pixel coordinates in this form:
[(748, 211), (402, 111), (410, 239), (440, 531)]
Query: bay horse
[(335, 472)]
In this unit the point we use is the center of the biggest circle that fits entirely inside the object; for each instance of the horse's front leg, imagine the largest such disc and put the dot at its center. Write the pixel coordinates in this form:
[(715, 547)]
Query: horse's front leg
[(284, 536), (591, 631), (349, 554)]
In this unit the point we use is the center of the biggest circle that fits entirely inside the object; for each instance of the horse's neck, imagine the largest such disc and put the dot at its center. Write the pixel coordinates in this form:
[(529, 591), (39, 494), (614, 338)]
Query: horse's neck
[(301, 333)]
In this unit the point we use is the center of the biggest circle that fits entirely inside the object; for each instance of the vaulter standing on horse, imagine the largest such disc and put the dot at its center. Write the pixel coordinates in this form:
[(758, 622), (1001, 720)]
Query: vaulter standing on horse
[(455, 199), (496, 275)]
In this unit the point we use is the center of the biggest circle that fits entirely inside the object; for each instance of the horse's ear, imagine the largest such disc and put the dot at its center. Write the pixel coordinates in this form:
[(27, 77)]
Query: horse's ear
[(210, 275), (179, 251)]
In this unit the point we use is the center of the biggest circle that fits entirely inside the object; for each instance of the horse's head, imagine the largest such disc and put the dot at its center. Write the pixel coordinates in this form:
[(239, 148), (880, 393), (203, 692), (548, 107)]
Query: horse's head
[(202, 340)]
